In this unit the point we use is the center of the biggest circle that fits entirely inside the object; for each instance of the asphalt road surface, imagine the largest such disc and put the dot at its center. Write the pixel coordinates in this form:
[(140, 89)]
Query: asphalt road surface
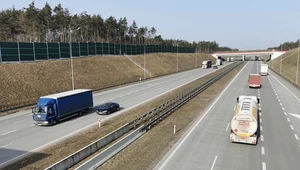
[(206, 144), (19, 136)]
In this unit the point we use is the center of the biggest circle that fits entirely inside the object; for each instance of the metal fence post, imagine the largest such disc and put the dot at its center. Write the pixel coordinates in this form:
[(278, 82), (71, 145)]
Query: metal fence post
[(33, 51), (102, 48), (120, 49), (59, 53), (79, 49), (108, 48), (19, 52), (95, 48), (47, 47), (88, 48), (0, 55)]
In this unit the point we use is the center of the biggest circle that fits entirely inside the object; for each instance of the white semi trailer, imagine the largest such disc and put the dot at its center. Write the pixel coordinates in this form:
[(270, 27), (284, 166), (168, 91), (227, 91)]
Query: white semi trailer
[(244, 123)]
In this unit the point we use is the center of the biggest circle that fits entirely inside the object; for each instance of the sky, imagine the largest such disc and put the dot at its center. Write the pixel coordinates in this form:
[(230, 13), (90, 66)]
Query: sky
[(246, 25)]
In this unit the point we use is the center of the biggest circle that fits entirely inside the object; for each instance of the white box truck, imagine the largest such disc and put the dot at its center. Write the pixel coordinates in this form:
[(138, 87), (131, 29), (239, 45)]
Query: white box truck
[(263, 69), (206, 64), (244, 123), (219, 62)]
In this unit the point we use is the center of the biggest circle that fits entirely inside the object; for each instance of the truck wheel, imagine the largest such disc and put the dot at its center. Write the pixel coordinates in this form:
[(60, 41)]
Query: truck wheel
[(54, 122)]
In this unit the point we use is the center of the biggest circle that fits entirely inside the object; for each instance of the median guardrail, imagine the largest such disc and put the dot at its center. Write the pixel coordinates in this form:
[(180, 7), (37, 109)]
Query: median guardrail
[(141, 124)]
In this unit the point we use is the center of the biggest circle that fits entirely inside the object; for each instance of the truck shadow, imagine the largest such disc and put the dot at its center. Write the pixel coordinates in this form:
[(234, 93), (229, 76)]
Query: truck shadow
[(9, 154)]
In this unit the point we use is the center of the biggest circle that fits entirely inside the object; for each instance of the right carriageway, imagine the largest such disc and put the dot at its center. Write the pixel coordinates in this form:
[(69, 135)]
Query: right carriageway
[(206, 143)]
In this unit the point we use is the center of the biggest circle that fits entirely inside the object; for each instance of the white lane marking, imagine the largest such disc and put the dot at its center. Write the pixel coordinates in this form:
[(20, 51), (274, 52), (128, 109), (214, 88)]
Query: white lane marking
[(260, 120), (212, 167), (261, 128), (277, 97), (285, 113), (279, 100), (297, 116), (260, 114), (262, 150), (261, 137), (13, 116), (143, 94), (4, 146), (280, 104), (258, 94), (296, 136), (282, 108), (9, 132), (242, 89), (292, 127), (259, 103), (234, 107), (20, 121), (196, 124), (288, 119), (31, 125), (112, 116), (264, 166), (285, 88), (227, 127)]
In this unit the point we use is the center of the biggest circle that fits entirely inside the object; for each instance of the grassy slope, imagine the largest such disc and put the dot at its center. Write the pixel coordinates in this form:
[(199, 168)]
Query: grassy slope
[(22, 84), (289, 65)]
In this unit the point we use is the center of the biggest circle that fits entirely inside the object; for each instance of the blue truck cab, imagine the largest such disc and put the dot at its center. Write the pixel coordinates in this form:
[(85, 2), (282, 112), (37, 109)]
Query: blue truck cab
[(51, 109)]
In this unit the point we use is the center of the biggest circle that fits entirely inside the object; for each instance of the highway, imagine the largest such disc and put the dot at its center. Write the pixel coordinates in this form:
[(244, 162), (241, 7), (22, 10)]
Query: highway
[(19, 136), (206, 145)]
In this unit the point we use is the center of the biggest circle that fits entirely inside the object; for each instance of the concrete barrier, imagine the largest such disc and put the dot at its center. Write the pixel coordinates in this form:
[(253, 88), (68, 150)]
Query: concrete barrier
[(105, 155), (78, 156)]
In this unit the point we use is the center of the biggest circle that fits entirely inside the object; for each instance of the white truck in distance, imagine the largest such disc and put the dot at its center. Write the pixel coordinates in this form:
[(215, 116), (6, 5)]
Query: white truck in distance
[(219, 62), (244, 123), (263, 69), (206, 64)]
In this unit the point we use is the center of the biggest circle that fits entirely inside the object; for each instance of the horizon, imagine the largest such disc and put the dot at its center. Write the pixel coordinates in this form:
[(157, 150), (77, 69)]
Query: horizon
[(243, 25)]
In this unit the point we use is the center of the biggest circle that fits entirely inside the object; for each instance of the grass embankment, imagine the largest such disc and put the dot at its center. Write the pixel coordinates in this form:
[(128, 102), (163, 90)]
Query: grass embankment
[(289, 65), (60, 150), (22, 83), (148, 150)]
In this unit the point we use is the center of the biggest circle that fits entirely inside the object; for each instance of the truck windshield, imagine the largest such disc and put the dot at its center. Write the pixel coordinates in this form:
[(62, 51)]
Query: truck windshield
[(39, 110)]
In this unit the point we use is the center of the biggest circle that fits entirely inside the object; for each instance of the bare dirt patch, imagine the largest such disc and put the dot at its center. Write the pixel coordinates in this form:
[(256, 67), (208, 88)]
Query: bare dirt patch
[(64, 148), (146, 152)]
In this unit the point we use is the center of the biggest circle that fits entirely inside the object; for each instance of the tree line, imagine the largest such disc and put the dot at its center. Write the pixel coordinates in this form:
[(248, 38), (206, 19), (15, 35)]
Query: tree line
[(286, 46), (56, 24)]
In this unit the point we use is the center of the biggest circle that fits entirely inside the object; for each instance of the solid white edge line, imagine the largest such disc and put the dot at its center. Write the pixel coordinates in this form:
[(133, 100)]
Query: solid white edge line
[(263, 150), (194, 127), (9, 132), (212, 167), (104, 119), (264, 166), (261, 137), (296, 136), (285, 88), (227, 127), (292, 127)]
